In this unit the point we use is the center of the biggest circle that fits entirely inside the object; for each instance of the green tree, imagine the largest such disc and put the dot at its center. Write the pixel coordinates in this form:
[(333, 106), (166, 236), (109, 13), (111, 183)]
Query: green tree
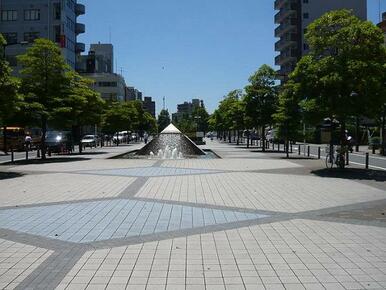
[(43, 82), (344, 73), (261, 98), (163, 119), (118, 117), (149, 123), (82, 106), (200, 116), (288, 115), (10, 100)]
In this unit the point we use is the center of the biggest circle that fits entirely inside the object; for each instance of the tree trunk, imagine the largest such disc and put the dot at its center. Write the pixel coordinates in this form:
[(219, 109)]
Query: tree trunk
[(229, 136), (80, 140), (343, 142), (263, 137), (5, 149), (357, 141), (287, 147), (43, 138), (238, 137)]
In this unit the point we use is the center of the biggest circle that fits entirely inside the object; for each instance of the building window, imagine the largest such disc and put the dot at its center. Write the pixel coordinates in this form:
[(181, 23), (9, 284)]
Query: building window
[(306, 16), (71, 4), (31, 36), (107, 84), (32, 14), (9, 15), (57, 11), (10, 37), (57, 33), (70, 24)]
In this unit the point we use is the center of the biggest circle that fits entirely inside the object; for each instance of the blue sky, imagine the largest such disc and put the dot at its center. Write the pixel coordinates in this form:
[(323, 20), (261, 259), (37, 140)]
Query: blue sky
[(184, 49)]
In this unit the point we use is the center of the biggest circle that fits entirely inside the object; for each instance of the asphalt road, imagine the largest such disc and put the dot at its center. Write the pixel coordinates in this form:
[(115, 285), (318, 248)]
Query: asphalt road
[(375, 161)]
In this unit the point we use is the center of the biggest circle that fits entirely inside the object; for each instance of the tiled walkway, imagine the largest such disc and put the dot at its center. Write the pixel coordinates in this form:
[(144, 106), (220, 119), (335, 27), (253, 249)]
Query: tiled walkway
[(189, 224)]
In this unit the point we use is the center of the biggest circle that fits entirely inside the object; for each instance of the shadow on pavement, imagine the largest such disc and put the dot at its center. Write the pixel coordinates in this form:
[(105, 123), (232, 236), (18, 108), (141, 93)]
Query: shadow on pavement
[(48, 160), (9, 175), (297, 158), (88, 153), (352, 173)]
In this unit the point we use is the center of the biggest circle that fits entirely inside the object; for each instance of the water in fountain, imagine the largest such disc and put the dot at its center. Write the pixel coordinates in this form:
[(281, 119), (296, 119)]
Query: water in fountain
[(171, 144)]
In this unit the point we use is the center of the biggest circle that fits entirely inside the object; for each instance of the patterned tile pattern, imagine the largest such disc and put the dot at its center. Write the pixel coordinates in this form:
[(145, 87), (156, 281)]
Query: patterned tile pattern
[(150, 171), (296, 254), (17, 261), (272, 192), (43, 188), (109, 219)]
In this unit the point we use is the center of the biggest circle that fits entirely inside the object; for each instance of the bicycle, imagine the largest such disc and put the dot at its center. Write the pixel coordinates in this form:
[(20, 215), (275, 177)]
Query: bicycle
[(336, 156), (330, 157)]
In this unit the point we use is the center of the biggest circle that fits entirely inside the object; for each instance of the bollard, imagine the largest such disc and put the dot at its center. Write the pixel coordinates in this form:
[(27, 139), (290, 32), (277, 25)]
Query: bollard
[(319, 152), (347, 161), (299, 149), (12, 156), (38, 153), (367, 160), (26, 154), (308, 150)]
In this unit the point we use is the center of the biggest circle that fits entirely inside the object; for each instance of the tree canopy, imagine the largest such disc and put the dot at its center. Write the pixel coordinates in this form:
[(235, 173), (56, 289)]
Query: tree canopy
[(163, 119)]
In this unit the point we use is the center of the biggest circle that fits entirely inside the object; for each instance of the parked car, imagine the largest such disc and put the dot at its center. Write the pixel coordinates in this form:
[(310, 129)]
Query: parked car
[(58, 141), (120, 137), (89, 141), (134, 136)]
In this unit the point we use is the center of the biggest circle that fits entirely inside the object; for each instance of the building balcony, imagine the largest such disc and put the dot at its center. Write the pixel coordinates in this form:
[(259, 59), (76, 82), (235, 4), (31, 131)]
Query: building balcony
[(80, 47), (80, 28), (286, 27), (285, 57), (286, 41), (288, 10), (80, 9), (280, 3)]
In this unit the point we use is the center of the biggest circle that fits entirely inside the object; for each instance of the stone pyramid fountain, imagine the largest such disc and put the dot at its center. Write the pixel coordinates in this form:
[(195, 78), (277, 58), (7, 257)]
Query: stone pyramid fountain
[(171, 144)]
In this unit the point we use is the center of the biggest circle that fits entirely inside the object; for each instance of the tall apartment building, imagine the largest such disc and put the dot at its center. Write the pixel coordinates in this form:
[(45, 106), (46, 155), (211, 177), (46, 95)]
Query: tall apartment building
[(294, 16), (22, 21), (149, 105), (133, 94), (382, 25), (98, 66), (186, 109)]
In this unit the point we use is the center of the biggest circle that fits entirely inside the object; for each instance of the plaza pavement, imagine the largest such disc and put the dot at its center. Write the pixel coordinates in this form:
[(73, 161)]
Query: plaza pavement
[(250, 220)]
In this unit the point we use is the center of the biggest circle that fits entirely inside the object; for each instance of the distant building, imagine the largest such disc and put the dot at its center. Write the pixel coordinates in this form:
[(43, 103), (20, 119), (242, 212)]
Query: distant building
[(186, 109), (98, 66), (22, 21), (382, 25), (149, 105), (133, 94), (111, 86), (293, 18)]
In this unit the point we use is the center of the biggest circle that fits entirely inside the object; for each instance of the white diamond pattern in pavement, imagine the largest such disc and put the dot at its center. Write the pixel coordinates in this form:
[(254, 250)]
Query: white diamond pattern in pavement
[(111, 219), (150, 171)]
